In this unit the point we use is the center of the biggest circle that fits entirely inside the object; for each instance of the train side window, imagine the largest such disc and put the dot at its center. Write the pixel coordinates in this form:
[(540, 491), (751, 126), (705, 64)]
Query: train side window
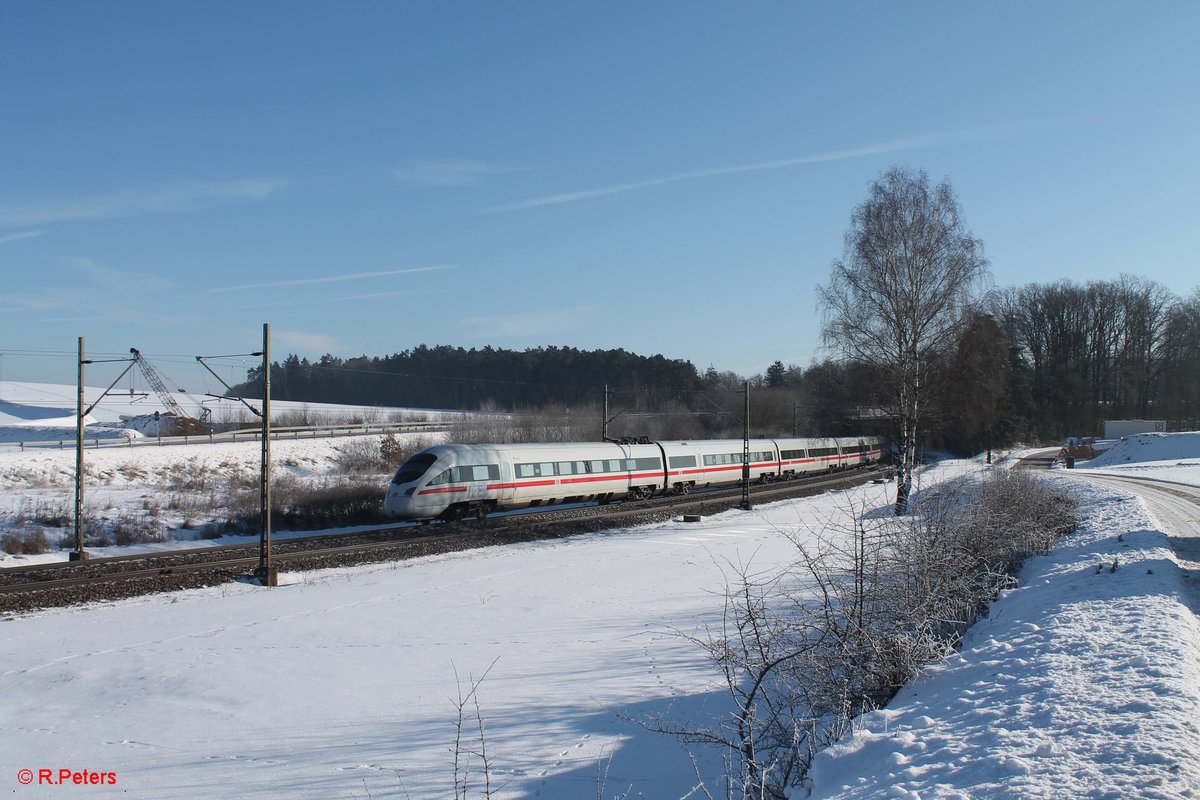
[(481, 473), (597, 466), (546, 470), (581, 468), (526, 470), (678, 462), (566, 468), (614, 465), (440, 478)]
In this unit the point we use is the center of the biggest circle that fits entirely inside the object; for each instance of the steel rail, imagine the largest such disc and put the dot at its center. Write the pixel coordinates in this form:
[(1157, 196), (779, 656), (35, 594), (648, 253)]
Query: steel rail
[(217, 560)]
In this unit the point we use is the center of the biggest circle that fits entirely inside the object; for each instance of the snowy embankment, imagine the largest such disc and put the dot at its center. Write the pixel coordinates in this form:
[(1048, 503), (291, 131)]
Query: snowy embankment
[(1083, 682), (1160, 456)]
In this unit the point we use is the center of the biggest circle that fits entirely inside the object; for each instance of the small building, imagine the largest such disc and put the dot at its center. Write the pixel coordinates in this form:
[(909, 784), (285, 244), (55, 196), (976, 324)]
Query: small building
[(1116, 428)]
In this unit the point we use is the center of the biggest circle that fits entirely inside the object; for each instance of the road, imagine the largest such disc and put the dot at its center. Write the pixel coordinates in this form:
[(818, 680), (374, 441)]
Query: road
[(1175, 505)]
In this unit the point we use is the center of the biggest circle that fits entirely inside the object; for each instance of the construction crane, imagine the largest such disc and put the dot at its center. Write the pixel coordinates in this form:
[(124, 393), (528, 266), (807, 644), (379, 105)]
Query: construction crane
[(186, 423)]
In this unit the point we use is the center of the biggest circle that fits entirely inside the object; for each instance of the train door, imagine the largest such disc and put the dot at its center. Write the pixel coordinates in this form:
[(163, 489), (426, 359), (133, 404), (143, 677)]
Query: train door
[(504, 490)]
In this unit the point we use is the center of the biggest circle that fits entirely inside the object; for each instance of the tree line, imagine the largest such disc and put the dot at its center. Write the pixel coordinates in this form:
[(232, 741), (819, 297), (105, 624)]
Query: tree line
[(1033, 364), (925, 355), (446, 377)]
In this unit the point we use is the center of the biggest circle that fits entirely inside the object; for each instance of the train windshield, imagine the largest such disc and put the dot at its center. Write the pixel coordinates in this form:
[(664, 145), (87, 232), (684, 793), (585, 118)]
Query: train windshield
[(414, 468)]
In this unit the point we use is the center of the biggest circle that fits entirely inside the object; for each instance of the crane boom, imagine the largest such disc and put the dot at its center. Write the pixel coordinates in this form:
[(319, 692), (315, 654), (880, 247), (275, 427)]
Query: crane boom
[(157, 384)]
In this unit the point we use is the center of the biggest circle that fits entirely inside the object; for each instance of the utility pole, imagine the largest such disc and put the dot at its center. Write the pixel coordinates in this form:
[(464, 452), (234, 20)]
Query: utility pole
[(265, 572), (79, 554), (746, 505), (604, 419)]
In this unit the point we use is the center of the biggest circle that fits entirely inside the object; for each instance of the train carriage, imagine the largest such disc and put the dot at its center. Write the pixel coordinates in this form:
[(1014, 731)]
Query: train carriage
[(804, 456), (452, 481), (700, 464)]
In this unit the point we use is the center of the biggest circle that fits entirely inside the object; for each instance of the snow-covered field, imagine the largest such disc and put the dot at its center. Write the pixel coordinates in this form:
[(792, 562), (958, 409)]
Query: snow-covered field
[(174, 491), (344, 683), (43, 412)]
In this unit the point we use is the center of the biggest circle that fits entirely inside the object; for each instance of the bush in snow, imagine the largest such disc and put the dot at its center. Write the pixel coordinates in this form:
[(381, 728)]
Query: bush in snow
[(362, 454), (136, 528), (27, 541), (391, 451), (805, 651)]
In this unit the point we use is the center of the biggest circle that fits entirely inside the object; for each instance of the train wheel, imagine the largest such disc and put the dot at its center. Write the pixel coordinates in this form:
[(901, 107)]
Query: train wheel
[(481, 511)]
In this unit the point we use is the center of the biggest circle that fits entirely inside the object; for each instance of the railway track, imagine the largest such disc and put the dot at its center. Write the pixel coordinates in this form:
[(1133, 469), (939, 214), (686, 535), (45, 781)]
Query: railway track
[(36, 586)]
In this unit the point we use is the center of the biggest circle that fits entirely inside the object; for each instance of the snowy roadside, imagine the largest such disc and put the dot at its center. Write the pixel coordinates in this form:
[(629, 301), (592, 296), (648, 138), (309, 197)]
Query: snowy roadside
[(1083, 682)]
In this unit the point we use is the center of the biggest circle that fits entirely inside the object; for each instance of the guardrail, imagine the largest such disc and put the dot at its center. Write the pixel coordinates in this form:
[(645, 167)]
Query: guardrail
[(241, 435)]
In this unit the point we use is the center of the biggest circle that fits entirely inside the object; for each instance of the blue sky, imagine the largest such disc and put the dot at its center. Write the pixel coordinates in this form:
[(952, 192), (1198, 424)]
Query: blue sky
[(665, 177)]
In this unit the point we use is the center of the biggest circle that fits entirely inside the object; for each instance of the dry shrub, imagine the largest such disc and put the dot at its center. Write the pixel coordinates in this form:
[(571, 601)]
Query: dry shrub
[(805, 651), (134, 528), (298, 505), (361, 454), (28, 541)]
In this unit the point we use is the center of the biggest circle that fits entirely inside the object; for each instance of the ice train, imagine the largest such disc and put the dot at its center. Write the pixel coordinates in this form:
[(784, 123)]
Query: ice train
[(452, 481)]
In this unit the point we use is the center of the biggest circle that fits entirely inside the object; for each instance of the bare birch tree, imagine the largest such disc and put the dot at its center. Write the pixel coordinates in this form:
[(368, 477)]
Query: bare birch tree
[(896, 299)]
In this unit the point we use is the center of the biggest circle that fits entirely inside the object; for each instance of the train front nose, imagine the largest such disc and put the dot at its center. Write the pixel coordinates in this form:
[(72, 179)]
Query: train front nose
[(398, 502)]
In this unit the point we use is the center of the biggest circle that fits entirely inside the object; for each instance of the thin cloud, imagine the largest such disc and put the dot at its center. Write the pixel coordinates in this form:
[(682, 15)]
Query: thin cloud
[(107, 277), (375, 295), (352, 276), (446, 172), (135, 202), (533, 323), (911, 143), (307, 342), (12, 237)]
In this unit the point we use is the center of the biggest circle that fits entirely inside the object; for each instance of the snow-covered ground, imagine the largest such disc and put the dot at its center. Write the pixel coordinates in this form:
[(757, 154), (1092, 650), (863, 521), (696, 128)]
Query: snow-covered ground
[(41, 412), (162, 481), (1083, 682), (161, 485), (1171, 457)]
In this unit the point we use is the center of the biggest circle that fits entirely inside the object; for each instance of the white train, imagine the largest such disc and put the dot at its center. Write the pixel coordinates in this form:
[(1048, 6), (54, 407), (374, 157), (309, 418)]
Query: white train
[(451, 481)]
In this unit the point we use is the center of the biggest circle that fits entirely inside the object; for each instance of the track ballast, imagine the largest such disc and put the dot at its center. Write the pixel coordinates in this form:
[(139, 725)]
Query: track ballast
[(112, 578)]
